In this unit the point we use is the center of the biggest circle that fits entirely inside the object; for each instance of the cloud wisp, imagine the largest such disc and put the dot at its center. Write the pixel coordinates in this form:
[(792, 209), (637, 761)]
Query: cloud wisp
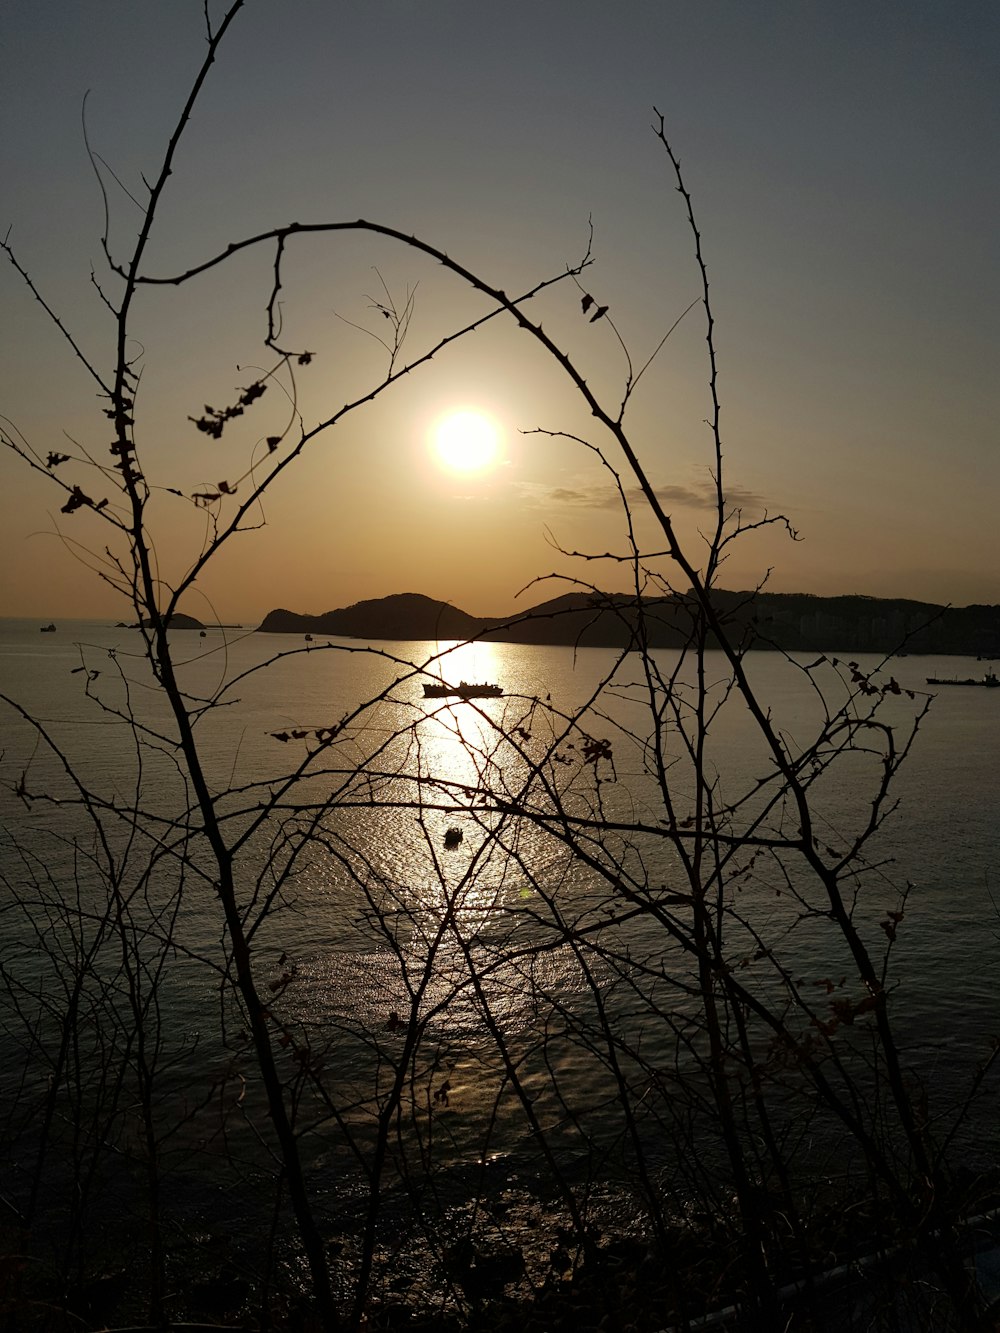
[(700, 496)]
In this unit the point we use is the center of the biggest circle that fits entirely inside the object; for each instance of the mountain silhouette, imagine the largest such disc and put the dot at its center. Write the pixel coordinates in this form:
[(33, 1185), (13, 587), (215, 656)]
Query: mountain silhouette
[(786, 621)]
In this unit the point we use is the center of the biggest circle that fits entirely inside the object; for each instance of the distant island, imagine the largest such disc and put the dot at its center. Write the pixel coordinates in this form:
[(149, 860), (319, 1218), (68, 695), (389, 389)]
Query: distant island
[(794, 622), (176, 621)]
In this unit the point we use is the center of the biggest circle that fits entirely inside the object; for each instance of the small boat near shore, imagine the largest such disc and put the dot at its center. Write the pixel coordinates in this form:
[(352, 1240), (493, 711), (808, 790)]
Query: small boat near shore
[(48, 629), (463, 690), (990, 681)]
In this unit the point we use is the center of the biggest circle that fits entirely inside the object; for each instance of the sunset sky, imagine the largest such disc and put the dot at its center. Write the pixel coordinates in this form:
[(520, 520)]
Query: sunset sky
[(844, 164)]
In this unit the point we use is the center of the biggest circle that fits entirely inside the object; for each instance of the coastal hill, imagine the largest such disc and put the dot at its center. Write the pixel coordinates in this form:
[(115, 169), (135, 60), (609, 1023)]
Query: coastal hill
[(789, 621), (404, 615)]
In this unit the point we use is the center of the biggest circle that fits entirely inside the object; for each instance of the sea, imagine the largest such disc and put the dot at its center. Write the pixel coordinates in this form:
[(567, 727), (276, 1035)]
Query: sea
[(380, 877)]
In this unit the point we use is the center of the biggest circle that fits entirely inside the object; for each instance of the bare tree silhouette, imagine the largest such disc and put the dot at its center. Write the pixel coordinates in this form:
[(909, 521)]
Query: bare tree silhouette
[(593, 899)]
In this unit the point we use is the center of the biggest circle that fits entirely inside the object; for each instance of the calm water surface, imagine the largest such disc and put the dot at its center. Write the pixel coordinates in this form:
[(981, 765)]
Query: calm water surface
[(943, 838)]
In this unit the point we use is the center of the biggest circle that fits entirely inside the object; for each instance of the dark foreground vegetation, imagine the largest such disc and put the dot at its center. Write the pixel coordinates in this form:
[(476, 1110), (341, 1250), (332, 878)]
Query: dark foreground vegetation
[(516, 1015)]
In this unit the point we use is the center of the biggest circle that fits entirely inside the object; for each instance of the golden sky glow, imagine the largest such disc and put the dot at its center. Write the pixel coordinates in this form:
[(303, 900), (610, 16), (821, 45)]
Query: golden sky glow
[(847, 224)]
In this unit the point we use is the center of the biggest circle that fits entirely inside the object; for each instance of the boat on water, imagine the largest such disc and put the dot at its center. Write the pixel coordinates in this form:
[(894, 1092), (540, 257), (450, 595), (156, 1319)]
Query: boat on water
[(463, 690), (47, 629), (990, 681)]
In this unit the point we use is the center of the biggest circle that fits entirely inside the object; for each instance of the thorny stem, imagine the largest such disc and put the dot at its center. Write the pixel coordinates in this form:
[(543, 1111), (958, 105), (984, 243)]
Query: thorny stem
[(535, 797)]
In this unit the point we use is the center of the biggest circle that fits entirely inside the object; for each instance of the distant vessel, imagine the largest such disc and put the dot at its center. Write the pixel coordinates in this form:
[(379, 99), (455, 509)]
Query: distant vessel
[(47, 629), (463, 690), (989, 681)]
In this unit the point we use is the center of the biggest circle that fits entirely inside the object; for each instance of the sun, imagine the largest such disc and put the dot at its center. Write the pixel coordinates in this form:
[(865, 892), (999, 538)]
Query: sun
[(466, 440)]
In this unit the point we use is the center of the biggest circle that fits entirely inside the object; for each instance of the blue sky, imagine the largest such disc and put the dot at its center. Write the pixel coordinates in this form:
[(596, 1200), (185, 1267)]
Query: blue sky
[(843, 161)]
